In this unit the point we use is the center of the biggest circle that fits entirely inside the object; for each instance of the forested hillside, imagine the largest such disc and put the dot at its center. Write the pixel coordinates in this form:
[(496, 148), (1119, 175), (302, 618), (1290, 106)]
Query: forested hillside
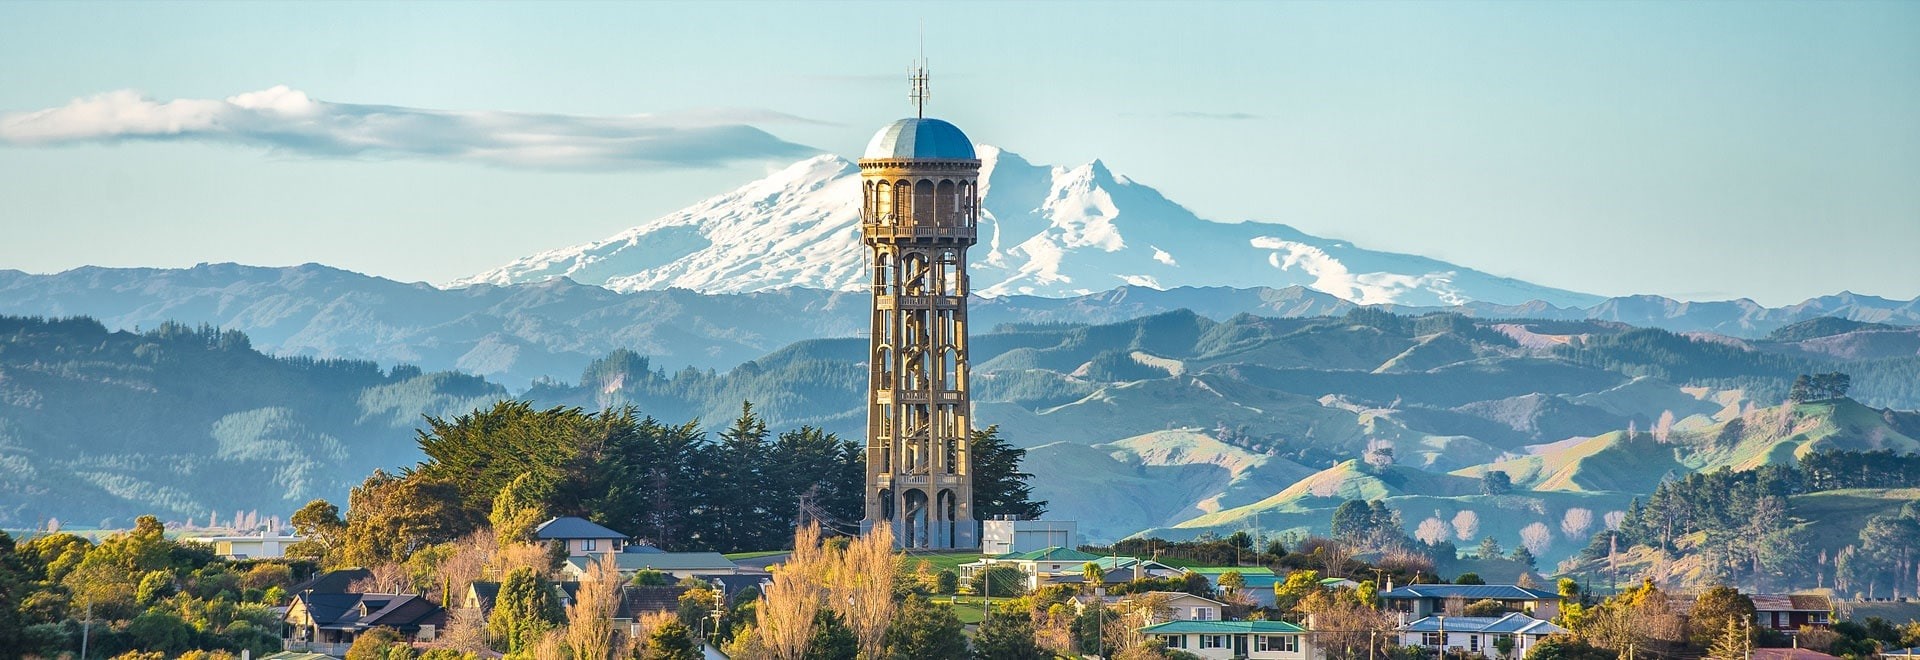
[(191, 422)]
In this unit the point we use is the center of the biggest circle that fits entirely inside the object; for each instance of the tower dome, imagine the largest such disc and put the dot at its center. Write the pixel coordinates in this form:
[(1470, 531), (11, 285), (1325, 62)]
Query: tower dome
[(920, 138)]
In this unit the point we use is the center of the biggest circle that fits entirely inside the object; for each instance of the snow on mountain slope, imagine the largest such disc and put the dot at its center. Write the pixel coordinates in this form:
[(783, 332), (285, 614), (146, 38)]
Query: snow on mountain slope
[(1045, 230)]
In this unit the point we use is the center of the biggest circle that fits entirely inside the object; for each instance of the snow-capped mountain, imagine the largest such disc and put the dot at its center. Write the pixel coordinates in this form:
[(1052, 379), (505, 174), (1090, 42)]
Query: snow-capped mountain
[(1046, 231)]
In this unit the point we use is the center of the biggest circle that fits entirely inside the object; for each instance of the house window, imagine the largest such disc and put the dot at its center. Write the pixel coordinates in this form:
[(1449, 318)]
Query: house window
[(1820, 618), (590, 545), (1213, 641), (1278, 643), (1175, 641), (1473, 643), (1430, 639), (1203, 614)]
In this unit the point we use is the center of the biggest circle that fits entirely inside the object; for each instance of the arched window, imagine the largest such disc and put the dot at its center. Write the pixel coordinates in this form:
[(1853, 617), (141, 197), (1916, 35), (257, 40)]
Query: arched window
[(923, 202), (949, 204), (903, 199), (883, 202)]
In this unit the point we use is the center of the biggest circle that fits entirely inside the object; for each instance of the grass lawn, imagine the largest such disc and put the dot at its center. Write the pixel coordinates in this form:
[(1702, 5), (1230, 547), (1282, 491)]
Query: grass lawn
[(967, 607)]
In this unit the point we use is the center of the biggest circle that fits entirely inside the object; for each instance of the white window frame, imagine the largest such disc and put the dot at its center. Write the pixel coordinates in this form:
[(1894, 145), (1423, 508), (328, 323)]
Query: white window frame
[(1473, 643), (1175, 641), (589, 545), (1277, 643), (1203, 613), (1431, 639), (1213, 641)]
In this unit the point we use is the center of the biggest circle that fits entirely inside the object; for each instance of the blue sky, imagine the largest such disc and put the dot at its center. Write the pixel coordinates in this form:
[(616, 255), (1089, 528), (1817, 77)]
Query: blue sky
[(1698, 150)]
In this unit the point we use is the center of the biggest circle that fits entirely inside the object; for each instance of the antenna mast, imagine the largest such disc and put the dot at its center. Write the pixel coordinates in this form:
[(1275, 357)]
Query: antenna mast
[(920, 93)]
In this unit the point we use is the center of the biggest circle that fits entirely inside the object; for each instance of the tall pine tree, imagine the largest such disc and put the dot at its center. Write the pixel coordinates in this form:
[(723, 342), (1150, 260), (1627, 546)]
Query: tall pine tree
[(999, 487)]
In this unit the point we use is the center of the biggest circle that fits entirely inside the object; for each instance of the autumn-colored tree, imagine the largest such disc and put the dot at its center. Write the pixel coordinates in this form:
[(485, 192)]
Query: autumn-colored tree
[(790, 604), (590, 617), (519, 507), (320, 528), (862, 588), (1349, 629), (390, 517)]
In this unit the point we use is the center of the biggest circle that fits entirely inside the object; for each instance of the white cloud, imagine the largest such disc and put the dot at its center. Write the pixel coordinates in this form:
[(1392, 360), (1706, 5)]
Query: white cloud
[(287, 120)]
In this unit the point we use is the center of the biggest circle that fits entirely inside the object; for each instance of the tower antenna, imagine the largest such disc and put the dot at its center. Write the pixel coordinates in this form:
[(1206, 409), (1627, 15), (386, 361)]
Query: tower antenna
[(918, 77)]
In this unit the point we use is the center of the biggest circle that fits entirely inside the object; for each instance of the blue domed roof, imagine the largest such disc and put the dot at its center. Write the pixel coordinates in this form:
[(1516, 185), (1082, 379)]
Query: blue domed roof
[(918, 137)]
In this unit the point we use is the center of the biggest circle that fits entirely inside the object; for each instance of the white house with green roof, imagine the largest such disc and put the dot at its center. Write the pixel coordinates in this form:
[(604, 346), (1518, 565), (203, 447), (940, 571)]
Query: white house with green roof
[(1253, 640), (677, 564)]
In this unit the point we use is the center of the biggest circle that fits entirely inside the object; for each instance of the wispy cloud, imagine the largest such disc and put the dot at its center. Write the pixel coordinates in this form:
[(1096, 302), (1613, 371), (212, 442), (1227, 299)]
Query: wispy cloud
[(288, 121)]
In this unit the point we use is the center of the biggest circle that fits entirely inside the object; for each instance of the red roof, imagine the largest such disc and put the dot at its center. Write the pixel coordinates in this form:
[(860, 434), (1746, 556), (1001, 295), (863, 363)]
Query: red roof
[(1791, 654)]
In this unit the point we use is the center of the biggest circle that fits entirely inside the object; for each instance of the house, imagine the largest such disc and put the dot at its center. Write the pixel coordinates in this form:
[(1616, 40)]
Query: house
[(1477, 634), (583, 537), (1785, 613), (1179, 605), (1260, 581), (635, 602), (1422, 600), (329, 622), (1339, 583), (261, 546), (1001, 537), (1254, 640), (1789, 612), (677, 564), (733, 585)]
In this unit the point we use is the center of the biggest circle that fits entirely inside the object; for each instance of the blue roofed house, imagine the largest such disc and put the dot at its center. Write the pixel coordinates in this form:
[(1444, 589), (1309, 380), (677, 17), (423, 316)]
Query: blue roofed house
[(1420, 600), (1058, 565), (1478, 634), (1223, 640), (583, 537), (1260, 581)]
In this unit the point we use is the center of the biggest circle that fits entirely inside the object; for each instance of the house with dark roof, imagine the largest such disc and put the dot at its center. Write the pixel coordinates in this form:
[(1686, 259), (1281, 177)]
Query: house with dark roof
[(329, 622), (1421, 600), (1785, 613), (582, 537), (1058, 565), (1222, 640), (1478, 635)]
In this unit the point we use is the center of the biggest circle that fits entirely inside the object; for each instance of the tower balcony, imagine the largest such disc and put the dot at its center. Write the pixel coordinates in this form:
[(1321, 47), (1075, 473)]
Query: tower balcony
[(875, 232)]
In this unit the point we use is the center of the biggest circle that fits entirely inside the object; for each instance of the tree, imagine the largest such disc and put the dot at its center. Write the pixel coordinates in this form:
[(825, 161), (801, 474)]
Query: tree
[(1536, 538), (671, 641), (1734, 641), (590, 617), (523, 612), (999, 581), (1484, 607), (863, 588), (1576, 522), (1495, 482), (519, 507), (159, 630), (1433, 530), (1489, 548), (375, 644), (320, 528), (999, 487), (1352, 522), (922, 630), (390, 517), (1468, 578), (946, 582), (1712, 610), (1232, 582), (1008, 637), (789, 608)]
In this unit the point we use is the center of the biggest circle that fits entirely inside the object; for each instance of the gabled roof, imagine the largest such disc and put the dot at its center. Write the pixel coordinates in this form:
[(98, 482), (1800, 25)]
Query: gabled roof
[(1513, 622), (733, 583), (1469, 592), (355, 612), (635, 600), (1792, 654), (332, 582), (1222, 628), (571, 527), (1049, 554), (485, 592), (1790, 603), (660, 561)]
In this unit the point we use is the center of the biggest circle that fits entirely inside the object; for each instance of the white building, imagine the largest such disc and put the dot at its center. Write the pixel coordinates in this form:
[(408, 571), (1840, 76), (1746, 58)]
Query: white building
[(1224, 640), (1478, 634), (1000, 537), (266, 545)]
